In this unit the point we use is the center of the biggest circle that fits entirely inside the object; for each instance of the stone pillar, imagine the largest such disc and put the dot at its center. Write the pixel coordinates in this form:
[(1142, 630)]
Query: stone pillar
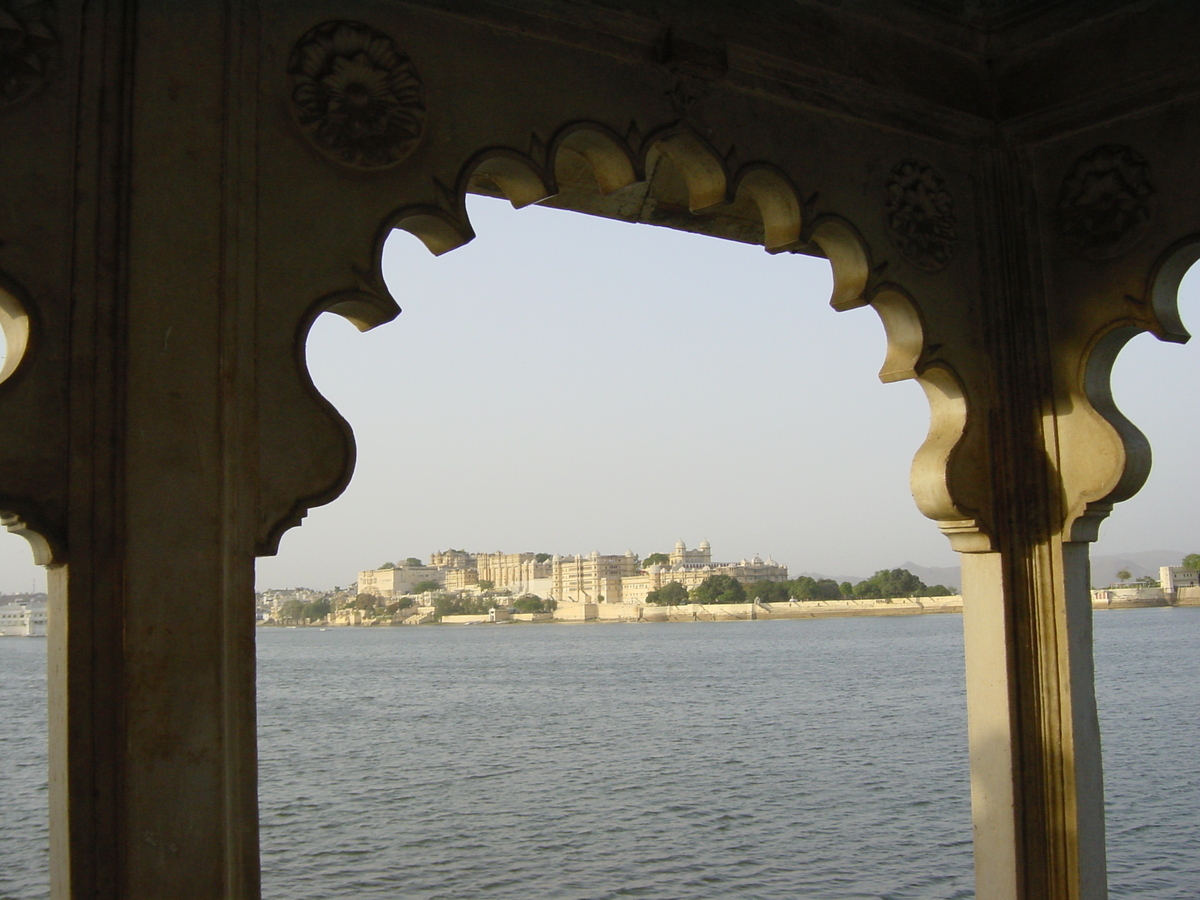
[(1040, 456), (153, 792)]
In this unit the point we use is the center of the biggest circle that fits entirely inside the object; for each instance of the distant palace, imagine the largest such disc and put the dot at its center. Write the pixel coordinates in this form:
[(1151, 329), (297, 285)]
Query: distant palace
[(566, 579)]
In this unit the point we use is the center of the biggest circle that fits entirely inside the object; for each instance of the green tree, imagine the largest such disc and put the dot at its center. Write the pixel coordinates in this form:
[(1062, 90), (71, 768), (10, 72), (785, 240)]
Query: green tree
[(486, 585), (846, 589), (670, 594), (364, 602), (291, 610), (656, 559), (541, 557), (828, 589), (388, 566), (458, 605), (412, 561), (1124, 575), (1192, 561), (425, 587), (890, 583), (532, 603), (719, 589), (315, 610), (768, 591), (802, 587)]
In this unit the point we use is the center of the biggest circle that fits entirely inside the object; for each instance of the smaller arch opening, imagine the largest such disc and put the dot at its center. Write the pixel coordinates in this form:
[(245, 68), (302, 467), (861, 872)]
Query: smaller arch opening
[(14, 333)]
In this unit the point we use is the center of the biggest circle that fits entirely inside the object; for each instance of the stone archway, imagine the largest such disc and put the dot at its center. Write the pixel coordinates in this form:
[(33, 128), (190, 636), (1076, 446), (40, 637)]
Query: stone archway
[(186, 188)]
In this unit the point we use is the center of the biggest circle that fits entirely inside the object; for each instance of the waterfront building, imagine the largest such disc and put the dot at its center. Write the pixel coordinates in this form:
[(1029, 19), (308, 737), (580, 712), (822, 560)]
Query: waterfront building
[(691, 567), (23, 620), (512, 571), (1172, 578), (592, 578), (396, 581)]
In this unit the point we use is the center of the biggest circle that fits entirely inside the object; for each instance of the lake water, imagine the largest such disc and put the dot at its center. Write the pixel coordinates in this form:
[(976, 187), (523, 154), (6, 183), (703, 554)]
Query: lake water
[(814, 758)]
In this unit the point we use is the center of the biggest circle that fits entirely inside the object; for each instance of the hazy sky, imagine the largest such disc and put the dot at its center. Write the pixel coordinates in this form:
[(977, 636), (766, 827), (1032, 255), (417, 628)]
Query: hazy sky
[(567, 384)]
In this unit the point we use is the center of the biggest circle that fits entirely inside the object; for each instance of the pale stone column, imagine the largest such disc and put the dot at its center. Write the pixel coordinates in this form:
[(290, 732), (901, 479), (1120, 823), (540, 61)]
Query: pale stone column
[(1036, 775), (151, 649)]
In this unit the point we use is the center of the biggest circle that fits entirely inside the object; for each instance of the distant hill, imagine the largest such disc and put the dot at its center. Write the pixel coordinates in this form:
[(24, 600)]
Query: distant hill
[(950, 576), (1105, 568)]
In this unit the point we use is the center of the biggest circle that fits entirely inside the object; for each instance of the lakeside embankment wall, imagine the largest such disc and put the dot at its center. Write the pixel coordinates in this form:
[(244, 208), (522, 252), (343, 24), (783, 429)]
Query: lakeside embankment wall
[(1188, 596), (1126, 598), (729, 612)]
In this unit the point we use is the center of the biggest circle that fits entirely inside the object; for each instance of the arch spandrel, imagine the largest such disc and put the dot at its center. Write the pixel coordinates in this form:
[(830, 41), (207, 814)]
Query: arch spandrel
[(627, 138), (1116, 253), (32, 456)]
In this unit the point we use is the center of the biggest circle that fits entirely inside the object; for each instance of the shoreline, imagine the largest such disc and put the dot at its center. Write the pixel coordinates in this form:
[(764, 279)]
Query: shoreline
[(744, 613)]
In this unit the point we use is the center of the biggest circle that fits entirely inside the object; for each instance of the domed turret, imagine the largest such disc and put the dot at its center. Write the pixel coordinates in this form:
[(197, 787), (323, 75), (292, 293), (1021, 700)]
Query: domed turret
[(680, 546)]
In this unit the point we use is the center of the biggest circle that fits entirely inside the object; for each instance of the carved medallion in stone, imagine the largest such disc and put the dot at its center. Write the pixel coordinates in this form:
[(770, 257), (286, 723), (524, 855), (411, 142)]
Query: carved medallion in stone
[(919, 212), (1106, 202), (356, 95), (29, 48)]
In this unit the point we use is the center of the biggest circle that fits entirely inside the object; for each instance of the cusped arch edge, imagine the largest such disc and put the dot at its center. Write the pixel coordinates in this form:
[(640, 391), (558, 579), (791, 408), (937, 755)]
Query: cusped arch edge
[(1130, 454), (313, 441)]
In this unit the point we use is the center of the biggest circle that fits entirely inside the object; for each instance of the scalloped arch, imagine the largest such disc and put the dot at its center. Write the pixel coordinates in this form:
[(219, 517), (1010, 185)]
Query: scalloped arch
[(847, 253), (519, 178), (609, 157), (700, 165), (440, 231), (15, 328), (523, 181), (20, 515), (1130, 447), (364, 310), (777, 201), (1164, 289)]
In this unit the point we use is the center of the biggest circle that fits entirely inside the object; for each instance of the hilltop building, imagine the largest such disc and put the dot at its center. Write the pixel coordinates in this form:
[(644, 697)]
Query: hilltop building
[(452, 559), (691, 567), (592, 578), (517, 572), (397, 581)]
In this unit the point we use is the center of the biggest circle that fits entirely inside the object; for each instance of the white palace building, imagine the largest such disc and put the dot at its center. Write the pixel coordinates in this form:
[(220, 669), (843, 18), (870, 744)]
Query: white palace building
[(590, 578)]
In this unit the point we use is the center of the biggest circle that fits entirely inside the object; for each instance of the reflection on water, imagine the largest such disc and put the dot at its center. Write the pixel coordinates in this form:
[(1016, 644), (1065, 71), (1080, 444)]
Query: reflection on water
[(822, 759)]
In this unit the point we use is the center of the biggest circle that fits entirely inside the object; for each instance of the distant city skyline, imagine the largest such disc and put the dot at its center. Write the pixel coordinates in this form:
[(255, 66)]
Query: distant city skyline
[(565, 384)]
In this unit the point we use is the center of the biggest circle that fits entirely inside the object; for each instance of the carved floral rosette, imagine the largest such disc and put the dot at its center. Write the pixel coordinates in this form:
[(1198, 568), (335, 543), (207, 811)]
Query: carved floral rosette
[(356, 95), (1106, 202), (919, 213), (29, 47)]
